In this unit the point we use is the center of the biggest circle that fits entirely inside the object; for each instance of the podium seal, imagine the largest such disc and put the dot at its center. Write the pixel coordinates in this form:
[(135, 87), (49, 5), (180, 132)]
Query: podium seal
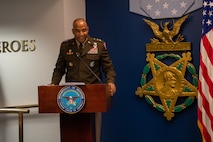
[(71, 99)]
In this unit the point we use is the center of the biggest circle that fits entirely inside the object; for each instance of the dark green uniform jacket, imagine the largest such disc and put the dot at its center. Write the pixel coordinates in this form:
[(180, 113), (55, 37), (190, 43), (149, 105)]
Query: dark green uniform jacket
[(94, 54)]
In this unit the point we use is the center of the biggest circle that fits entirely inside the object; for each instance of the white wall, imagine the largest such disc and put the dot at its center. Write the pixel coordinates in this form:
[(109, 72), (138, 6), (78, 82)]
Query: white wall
[(73, 9), (48, 22)]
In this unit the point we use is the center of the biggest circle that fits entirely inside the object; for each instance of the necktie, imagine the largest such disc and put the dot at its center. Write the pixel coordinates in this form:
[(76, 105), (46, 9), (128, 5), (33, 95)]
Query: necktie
[(80, 48)]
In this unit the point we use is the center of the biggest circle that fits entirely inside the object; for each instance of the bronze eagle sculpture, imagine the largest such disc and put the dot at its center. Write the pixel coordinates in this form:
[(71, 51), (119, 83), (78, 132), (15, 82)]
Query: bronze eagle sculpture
[(167, 35)]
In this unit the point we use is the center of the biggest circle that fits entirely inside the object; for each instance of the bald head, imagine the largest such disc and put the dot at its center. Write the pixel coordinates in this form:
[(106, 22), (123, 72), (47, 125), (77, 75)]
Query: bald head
[(78, 21), (80, 29)]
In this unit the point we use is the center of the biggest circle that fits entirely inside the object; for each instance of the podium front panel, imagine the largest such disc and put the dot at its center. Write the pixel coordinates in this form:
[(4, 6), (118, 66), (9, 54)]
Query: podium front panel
[(96, 98)]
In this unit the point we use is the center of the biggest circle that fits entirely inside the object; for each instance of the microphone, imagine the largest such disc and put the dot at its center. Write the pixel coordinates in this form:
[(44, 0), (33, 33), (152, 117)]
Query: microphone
[(78, 55)]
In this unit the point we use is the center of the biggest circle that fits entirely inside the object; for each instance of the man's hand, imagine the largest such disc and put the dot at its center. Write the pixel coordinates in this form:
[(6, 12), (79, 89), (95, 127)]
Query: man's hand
[(111, 88)]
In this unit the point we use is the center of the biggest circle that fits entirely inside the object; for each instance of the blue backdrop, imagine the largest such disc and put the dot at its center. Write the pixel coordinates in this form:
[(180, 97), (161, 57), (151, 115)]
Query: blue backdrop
[(131, 118)]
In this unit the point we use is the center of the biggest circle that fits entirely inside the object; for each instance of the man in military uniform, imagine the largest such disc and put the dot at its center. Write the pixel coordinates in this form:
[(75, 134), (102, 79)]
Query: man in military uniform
[(84, 64), (83, 59)]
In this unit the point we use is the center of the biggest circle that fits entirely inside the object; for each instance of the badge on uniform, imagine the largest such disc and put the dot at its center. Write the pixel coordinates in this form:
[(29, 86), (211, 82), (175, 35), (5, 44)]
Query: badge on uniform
[(69, 52), (70, 64), (92, 64), (93, 50)]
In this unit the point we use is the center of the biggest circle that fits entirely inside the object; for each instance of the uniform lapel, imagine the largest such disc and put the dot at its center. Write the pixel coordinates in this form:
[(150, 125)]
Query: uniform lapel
[(74, 45), (87, 46)]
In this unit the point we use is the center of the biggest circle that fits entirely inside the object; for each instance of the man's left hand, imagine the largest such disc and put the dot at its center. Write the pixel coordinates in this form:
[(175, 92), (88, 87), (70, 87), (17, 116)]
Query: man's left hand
[(111, 88)]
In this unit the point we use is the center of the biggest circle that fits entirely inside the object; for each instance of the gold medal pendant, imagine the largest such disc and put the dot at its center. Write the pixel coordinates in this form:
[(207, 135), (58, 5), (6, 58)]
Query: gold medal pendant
[(169, 81)]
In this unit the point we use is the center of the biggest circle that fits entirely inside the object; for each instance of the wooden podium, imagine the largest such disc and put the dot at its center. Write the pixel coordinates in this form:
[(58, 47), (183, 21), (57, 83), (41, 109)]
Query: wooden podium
[(78, 127)]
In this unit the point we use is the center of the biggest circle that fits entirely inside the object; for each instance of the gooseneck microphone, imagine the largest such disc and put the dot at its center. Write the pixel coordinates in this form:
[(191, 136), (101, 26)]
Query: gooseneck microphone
[(78, 55)]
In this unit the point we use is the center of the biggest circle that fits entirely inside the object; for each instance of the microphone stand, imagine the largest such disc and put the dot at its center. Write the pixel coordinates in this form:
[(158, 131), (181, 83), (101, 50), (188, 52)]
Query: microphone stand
[(78, 55)]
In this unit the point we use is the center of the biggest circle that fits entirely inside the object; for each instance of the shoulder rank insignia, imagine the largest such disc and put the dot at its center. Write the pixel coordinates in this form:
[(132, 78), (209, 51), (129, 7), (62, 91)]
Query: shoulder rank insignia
[(97, 39)]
